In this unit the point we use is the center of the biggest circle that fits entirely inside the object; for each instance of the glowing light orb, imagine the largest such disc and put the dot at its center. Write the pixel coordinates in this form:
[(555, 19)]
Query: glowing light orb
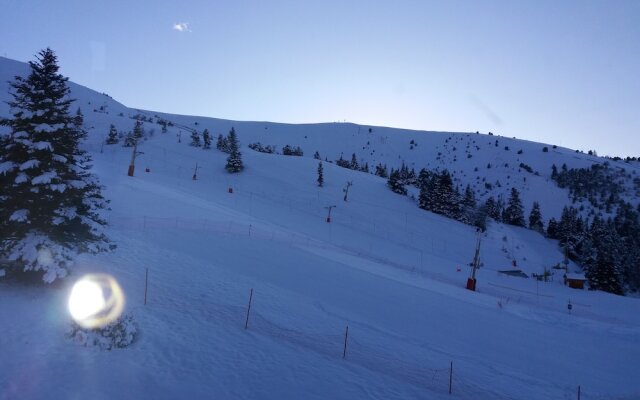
[(86, 299), (96, 300)]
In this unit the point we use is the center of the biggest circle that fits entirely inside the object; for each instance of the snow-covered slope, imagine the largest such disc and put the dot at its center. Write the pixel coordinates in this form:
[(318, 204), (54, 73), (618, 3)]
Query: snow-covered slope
[(390, 271)]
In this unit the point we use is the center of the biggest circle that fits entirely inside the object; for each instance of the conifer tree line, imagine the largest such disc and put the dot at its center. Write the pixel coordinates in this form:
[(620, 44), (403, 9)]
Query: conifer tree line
[(605, 242), (50, 204), (353, 164)]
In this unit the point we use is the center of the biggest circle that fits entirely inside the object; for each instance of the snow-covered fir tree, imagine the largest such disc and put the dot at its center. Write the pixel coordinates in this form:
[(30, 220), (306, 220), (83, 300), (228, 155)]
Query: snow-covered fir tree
[(195, 139), (605, 275), (51, 203), (514, 213), (138, 131), (234, 161), (354, 162), (206, 138), (468, 205), (394, 183), (320, 174), (381, 170), (222, 144), (112, 136), (535, 218)]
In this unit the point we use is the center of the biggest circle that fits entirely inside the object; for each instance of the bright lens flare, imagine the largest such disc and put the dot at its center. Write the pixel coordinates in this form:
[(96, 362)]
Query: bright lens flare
[(86, 299), (96, 300)]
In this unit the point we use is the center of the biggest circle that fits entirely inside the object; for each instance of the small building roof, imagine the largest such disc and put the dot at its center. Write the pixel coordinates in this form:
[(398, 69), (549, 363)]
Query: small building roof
[(576, 276)]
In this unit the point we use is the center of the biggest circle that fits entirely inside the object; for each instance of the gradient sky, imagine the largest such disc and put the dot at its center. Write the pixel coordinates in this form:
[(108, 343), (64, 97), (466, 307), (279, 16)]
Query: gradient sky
[(560, 72)]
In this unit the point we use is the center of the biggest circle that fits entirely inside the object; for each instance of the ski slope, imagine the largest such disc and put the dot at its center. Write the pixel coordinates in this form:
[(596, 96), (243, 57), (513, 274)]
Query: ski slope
[(391, 272)]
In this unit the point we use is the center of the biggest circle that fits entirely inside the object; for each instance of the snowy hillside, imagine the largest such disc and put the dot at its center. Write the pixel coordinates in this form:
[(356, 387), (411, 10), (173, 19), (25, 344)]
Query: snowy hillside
[(391, 272)]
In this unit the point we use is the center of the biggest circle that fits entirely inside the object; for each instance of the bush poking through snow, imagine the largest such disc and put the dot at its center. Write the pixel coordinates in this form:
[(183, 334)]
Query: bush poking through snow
[(117, 335)]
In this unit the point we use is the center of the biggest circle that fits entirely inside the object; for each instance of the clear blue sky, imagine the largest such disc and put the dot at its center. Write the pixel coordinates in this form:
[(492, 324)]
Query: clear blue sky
[(562, 72)]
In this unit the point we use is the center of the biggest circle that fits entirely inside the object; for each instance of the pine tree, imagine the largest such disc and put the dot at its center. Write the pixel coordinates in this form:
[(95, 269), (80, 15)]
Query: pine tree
[(354, 163), (381, 171), (50, 201), (222, 143), (78, 120), (195, 139), (514, 213), (552, 229), (112, 138), (605, 276), (468, 204), (129, 140), (446, 197), (535, 218), (394, 183), (320, 175), (138, 131), (234, 161), (206, 137)]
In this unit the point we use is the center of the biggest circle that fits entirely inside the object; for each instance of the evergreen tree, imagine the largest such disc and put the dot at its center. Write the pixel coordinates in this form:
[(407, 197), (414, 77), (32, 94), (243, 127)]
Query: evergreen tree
[(468, 205), (234, 161), (514, 214), (220, 143), (320, 175), (381, 170), (223, 144), (354, 163), (206, 137), (129, 140), (195, 139), (394, 183), (535, 218), (493, 209), (552, 229), (605, 275), (341, 162), (112, 138), (138, 131), (446, 197), (50, 201), (316, 155), (78, 120), (427, 183)]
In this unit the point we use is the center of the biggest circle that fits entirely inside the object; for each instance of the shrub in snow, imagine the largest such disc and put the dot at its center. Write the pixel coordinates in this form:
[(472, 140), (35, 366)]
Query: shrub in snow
[(116, 335)]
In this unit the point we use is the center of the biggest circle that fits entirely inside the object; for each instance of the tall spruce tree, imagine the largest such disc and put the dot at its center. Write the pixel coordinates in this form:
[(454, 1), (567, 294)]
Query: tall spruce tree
[(195, 139), (138, 131), (112, 137), (234, 161), (394, 183), (535, 218), (354, 162), (51, 203), (206, 138), (514, 213), (320, 175)]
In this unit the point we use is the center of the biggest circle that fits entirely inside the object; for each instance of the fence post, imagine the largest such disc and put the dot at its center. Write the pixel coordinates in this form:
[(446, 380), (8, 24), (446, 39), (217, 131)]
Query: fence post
[(246, 322), (450, 376), (146, 284), (578, 392), (346, 335)]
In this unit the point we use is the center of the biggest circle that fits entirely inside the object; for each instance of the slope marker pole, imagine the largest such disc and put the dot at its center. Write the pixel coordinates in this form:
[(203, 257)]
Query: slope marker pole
[(346, 336), (450, 376), (246, 322), (146, 284)]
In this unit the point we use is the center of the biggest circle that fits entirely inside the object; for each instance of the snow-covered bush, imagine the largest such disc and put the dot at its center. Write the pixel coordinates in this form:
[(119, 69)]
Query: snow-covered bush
[(115, 335)]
